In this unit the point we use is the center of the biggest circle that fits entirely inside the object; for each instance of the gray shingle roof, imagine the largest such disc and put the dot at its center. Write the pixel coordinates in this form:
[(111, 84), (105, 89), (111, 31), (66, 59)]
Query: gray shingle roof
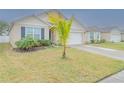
[(93, 29), (104, 29)]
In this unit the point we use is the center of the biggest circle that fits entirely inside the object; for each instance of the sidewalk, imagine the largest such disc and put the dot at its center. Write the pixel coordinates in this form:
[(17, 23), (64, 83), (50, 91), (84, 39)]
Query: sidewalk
[(117, 78), (116, 54)]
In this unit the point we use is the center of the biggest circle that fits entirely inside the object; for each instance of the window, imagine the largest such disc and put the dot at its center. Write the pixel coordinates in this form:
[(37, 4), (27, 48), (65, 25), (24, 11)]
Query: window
[(28, 32), (97, 35), (94, 35), (35, 33), (91, 35)]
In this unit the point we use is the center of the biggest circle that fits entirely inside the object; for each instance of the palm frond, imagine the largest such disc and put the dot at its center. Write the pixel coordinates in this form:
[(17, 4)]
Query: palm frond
[(62, 26)]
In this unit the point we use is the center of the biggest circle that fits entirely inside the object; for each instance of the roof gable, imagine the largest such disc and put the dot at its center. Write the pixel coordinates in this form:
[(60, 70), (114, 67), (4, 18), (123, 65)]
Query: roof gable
[(29, 21), (75, 25), (43, 18)]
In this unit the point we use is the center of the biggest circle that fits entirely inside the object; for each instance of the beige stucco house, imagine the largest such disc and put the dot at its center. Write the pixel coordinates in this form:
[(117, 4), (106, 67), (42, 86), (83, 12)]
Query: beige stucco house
[(113, 34), (37, 26), (122, 36)]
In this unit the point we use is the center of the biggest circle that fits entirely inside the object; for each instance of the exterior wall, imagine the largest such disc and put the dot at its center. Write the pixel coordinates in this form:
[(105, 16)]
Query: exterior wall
[(117, 33), (87, 36), (77, 27), (106, 36), (122, 36), (15, 34), (44, 17)]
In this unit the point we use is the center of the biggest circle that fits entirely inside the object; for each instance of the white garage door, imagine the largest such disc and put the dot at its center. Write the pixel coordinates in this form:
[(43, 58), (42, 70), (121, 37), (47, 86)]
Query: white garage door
[(75, 38), (115, 37)]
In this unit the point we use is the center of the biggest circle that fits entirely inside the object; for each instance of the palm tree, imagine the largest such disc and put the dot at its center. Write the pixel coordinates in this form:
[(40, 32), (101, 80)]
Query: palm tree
[(62, 26)]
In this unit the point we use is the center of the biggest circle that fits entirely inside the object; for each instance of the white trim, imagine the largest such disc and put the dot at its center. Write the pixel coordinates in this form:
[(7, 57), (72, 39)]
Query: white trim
[(29, 25), (94, 36), (76, 32)]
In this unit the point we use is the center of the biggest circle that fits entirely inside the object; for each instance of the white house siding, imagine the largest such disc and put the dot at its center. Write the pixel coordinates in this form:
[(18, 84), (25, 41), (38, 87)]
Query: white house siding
[(15, 33), (75, 38), (44, 17), (115, 36), (105, 36), (122, 36), (4, 39), (75, 28), (76, 33)]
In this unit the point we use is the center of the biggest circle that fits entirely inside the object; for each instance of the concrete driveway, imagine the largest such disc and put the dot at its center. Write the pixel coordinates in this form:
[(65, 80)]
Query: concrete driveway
[(116, 54)]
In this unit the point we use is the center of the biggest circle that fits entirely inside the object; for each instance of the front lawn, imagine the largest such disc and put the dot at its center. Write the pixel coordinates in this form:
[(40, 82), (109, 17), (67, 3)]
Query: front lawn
[(48, 66), (118, 46)]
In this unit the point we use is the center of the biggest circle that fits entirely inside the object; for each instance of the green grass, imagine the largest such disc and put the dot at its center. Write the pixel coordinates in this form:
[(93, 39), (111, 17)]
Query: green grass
[(48, 66), (118, 46)]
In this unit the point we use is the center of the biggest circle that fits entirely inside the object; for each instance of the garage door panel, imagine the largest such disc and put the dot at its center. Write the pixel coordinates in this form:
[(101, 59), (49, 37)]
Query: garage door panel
[(75, 38), (116, 37)]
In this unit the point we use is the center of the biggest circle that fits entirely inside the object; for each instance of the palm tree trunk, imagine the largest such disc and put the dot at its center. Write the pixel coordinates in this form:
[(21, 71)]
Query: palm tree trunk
[(64, 51)]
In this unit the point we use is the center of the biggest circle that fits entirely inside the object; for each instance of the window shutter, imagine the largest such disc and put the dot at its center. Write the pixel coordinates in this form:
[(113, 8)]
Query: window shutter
[(22, 32), (42, 33)]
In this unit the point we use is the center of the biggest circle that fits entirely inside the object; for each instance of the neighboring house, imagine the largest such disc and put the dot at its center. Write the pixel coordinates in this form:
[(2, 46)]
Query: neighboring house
[(112, 34), (92, 33), (122, 35), (37, 26)]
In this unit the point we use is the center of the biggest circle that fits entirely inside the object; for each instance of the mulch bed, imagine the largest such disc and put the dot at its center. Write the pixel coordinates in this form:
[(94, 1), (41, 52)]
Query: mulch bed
[(30, 50)]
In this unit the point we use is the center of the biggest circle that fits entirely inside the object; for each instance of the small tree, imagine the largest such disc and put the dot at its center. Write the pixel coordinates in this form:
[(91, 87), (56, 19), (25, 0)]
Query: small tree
[(62, 26), (3, 28)]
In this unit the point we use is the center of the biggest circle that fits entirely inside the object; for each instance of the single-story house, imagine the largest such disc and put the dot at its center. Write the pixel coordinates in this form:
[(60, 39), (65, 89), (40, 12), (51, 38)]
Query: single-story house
[(112, 34), (122, 35), (37, 26), (92, 33)]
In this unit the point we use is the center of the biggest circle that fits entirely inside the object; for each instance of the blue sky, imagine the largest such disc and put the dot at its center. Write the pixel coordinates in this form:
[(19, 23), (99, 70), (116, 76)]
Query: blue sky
[(92, 17)]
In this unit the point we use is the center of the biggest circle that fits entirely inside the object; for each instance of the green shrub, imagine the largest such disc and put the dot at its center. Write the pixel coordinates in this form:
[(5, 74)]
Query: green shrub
[(122, 40), (44, 42), (102, 41), (27, 43), (97, 41), (92, 41)]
